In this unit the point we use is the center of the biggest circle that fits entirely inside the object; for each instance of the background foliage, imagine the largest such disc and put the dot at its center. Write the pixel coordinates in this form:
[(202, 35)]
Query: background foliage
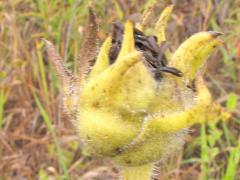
[(36, 138)]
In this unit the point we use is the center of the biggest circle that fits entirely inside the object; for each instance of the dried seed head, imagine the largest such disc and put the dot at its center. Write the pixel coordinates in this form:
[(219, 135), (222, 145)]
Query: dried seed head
[(125, 113), (154, 53)]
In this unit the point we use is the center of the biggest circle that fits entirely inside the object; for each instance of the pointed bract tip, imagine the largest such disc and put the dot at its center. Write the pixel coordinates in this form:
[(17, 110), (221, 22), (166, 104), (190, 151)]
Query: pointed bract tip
[(91, 14), (46, 42), (130, 22), (171, 6), (90, 5), (215, 33)]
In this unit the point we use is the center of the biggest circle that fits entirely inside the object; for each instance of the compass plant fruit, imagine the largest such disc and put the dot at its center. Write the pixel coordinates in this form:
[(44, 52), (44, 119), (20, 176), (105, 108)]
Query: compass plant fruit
[(134, 106)]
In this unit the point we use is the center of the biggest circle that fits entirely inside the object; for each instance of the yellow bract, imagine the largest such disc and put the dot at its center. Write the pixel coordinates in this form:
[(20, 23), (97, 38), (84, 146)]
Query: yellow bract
[(124, 113), (192, 54), (102, 62), (162, 23)]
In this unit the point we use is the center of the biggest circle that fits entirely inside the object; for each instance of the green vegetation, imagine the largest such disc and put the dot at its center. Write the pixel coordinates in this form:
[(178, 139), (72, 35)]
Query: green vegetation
[(37, 138)]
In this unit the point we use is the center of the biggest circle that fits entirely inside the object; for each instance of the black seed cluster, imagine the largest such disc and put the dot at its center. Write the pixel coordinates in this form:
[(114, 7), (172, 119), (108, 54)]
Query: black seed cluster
[(153, 53)]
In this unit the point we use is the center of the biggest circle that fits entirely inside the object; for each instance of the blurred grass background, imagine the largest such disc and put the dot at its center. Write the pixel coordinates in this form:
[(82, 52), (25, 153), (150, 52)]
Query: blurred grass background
[(37, 141)]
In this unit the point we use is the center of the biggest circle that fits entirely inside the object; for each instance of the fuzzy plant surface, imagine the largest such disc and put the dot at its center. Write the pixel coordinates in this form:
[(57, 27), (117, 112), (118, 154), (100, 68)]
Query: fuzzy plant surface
[(135, 103)]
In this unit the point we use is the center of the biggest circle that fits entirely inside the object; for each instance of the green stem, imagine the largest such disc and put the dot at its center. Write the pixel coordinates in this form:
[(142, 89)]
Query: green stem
[(138, 172)]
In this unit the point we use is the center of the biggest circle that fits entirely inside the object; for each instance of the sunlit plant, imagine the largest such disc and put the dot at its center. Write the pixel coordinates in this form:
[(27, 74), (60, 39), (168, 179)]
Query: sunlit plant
[(135, 103)]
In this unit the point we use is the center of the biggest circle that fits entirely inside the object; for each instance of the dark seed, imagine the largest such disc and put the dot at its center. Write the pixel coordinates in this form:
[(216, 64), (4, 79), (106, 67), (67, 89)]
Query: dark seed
[(171, 70), (153, 53)]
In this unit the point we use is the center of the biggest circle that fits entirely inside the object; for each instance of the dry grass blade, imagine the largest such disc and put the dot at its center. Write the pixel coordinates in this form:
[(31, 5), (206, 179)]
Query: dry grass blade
[(89, 45)]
